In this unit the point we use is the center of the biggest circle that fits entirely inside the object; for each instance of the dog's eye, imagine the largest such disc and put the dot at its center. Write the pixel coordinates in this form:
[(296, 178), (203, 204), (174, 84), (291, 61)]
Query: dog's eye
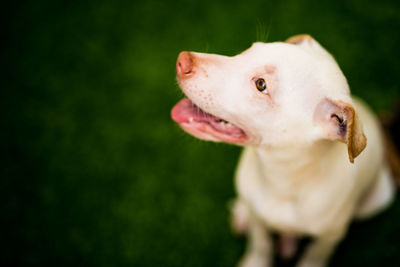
[(261, 86)]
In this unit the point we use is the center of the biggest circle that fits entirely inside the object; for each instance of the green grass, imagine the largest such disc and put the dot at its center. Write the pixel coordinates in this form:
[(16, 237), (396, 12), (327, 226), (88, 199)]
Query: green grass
[(95, 173)]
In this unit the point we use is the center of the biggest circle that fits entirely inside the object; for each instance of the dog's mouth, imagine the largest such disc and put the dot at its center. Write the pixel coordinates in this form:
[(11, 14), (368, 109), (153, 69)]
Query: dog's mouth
[(205, 125)]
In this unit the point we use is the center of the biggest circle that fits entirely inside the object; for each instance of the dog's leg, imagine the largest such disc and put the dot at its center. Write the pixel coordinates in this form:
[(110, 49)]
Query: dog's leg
[(239, 216), (318, 252), (379, 197), (259, 245)]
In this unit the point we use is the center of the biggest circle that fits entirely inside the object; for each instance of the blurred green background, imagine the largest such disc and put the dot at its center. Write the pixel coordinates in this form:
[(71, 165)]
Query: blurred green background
[(95, 173)]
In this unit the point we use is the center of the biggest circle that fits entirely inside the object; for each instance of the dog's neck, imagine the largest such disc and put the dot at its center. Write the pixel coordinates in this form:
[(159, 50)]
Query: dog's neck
[(294, 165)]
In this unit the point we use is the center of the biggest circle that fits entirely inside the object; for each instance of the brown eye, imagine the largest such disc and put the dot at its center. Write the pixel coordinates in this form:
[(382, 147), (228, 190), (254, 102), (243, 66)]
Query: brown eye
[(261, 86)]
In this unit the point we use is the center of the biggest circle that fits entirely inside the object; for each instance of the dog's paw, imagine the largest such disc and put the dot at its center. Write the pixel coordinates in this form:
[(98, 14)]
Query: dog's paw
[(254, 260), (239, 217), (312, 264)]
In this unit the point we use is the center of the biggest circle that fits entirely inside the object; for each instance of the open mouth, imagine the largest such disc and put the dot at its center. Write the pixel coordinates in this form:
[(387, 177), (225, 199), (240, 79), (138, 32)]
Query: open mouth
[(205, 125)]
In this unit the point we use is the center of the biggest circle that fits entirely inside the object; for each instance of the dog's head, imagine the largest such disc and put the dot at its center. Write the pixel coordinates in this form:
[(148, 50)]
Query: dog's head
[(272, 94)]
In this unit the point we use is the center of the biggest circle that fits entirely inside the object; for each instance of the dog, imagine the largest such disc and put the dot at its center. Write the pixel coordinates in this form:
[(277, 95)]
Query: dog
[(306, 170)]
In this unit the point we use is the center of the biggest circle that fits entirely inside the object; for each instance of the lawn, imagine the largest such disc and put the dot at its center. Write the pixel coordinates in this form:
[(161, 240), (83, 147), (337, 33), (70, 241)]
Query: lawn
[(95, 173)]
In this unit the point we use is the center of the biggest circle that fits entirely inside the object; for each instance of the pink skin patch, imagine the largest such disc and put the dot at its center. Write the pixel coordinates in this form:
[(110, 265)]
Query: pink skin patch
[(204, 125), (287, 246)]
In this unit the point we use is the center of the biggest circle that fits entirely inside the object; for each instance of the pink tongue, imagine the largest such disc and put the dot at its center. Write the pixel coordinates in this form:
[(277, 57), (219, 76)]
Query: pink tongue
[(203, 125), (185, 109)]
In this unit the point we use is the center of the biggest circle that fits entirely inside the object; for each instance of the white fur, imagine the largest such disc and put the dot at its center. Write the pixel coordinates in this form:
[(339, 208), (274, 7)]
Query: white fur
[(291, 178)]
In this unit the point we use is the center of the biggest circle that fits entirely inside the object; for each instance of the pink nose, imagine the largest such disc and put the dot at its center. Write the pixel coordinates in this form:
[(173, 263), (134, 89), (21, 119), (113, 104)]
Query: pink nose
[(184, 64)]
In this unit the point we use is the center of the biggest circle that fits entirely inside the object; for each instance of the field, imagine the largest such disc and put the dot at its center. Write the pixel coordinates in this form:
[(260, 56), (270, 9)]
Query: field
[(95, 173)]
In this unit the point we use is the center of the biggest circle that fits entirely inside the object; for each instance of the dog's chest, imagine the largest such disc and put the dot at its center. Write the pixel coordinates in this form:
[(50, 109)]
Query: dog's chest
[(302, 204), (299, 211)]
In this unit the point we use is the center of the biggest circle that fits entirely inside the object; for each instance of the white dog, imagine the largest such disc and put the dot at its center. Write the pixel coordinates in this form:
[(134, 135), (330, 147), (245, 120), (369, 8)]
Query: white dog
[(289, 105)]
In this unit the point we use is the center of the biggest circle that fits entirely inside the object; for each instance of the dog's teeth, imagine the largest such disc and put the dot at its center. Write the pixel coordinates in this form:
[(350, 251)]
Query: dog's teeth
[(191, 119), (225, 123)]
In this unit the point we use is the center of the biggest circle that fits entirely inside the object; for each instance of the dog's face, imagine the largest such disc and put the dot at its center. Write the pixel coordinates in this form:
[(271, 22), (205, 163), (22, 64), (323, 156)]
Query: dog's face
[(273, 94)]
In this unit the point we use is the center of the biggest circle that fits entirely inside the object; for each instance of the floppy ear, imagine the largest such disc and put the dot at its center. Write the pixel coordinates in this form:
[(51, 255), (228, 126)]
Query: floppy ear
[(341, 123), (306, 42), (299, 39)]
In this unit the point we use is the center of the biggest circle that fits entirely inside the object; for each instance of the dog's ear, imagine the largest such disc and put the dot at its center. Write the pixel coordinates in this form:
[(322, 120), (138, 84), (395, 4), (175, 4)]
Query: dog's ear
[(340, 122), (306, 42), (300, 39)]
